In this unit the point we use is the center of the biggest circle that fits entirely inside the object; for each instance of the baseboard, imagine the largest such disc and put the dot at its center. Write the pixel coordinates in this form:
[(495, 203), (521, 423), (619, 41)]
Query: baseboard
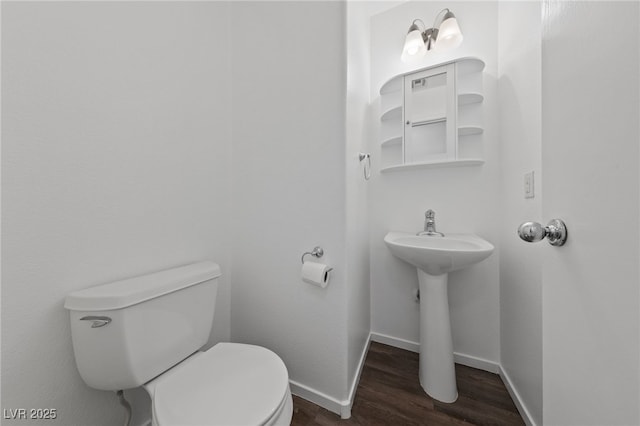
[(318, 398), (356, 378), (342, 408), (468, 360), (396, 342), (515, 396), (475, 362)]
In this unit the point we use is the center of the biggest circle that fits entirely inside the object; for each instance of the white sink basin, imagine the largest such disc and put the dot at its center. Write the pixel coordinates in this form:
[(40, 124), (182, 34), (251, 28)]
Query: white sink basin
[(437, 255), (434, 257)]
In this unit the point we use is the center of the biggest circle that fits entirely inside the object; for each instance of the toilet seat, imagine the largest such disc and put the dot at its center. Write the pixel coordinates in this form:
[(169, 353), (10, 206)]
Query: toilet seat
[(230, 384)]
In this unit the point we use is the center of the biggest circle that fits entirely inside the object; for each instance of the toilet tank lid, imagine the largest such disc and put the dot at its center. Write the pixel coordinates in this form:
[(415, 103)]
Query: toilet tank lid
[(120, 294)]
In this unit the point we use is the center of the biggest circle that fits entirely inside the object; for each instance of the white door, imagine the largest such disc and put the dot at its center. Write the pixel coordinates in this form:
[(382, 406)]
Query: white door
[(590, 175)]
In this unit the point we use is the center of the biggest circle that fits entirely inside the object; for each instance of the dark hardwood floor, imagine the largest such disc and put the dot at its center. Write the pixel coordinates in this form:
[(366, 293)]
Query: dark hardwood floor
[(389, 393)]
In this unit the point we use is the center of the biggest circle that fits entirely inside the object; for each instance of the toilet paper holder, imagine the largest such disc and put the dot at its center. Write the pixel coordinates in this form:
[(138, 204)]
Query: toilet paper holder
[(315, 273), (317, 252)]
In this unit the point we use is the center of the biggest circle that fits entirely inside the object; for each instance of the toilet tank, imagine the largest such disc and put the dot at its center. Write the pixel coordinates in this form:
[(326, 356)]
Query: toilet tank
[(127, 332)]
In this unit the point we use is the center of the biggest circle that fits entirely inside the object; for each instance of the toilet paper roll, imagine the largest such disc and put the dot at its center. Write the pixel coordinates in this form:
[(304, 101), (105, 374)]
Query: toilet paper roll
[(315, 273)]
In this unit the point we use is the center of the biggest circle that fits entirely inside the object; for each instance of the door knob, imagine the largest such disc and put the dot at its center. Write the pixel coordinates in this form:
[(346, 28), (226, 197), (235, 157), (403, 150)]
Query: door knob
[(555, 231)]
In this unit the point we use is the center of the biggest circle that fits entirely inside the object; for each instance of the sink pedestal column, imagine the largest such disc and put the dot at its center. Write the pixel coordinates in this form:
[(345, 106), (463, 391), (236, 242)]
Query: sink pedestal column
[(437, 369)]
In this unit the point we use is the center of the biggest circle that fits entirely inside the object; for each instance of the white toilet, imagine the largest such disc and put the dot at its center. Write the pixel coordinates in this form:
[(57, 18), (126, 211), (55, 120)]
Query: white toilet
[(147, 331)]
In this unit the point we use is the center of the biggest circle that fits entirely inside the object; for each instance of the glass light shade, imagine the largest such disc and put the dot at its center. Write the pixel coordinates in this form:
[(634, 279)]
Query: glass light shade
[(449, 34), (413, 46)]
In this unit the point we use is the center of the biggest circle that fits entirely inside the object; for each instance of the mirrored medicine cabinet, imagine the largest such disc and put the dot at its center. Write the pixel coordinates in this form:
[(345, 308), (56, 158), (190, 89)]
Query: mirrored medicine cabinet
[(433, 117)]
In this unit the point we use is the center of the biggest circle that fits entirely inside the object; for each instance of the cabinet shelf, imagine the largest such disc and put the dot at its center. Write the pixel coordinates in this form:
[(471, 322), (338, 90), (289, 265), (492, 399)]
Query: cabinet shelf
[(469, 66), (396, 140), (470, 130), (433, 165), (391, 114), (469, 98), (392, 85)]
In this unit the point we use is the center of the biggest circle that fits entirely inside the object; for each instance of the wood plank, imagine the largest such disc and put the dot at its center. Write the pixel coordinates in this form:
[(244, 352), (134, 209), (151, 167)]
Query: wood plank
[(389, 393)]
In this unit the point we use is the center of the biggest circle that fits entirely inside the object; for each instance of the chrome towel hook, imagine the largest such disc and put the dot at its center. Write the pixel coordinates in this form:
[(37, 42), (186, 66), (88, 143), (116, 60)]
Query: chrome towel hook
[(317, 252), (367, 166)]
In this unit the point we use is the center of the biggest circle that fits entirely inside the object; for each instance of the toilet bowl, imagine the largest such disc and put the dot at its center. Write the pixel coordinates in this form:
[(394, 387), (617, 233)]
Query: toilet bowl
[(149, 331), (230, 384)]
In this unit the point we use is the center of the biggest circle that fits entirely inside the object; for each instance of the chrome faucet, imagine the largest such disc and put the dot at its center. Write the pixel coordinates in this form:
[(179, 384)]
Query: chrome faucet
[(430, 225)]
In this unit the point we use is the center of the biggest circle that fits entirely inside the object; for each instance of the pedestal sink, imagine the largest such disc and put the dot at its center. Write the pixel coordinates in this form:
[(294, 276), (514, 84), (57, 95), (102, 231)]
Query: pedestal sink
[(435, 257)]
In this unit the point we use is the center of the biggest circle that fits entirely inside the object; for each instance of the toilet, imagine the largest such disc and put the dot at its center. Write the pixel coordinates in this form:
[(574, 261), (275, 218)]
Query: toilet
[(149, 331)]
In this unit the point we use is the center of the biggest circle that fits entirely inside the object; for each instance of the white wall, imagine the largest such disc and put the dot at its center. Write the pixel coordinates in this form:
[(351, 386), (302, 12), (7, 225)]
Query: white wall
[(115, 162), (590, 170), (519, 94), (119, 130), (465, 199), (289, 186)]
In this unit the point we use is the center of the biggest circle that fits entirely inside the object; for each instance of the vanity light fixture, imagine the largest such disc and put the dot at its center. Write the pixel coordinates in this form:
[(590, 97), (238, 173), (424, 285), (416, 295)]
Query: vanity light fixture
[(446, 35)]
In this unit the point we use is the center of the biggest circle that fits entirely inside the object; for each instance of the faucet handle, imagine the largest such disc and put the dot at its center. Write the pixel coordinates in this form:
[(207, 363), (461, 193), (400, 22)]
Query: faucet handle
[(430, 214)]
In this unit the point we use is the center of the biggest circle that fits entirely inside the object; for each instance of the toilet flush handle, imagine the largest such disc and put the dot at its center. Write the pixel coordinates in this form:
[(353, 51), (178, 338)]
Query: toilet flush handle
[(97, 321)]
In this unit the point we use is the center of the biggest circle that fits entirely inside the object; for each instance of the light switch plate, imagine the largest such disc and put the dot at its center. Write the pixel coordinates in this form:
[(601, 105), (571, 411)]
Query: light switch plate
[(528, 185)]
